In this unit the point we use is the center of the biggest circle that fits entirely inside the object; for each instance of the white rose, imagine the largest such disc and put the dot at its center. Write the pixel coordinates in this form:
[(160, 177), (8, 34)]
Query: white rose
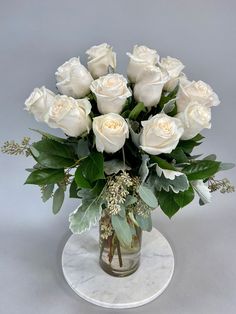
[(71, 115), (149, 86), (141, 57), (160, 134), (111, 93), (99, 59), (73, 79), (111, 131), (195, 118), (39, 102), (174, 67), (199, 91)]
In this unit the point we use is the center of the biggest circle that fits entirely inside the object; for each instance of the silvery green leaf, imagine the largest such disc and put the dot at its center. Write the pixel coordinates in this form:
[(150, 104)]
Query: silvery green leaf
[(130, 200), (47, 192), (179, 184), (134, 135), (89, 212), (168, 174), (114, 166), (202, 190), (122, 230), (58, 198), (226, 166), (144, 170), (210, 157), (145, 223), (147, 196), (169, 106), (122, 212)]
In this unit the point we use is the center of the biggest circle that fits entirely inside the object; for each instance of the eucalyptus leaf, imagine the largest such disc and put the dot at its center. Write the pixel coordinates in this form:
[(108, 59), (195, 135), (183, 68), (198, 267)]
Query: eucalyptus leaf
[(122, 230), (58, 199), (226, 166), (147, 196), (47, 192), (145, 223)]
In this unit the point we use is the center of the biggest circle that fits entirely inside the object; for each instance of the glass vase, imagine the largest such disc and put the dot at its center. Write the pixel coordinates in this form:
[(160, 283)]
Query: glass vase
[(115, 258)]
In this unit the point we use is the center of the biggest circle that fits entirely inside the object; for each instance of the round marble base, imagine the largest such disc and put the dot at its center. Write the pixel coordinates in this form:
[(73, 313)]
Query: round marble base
[(84, 275)]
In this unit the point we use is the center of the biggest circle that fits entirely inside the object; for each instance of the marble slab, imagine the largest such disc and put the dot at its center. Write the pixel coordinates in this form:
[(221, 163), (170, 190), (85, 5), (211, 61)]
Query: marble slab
[(84, 275)]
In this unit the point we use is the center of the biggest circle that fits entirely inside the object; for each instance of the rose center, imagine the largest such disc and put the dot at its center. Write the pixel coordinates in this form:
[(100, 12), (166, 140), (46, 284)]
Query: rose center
[(112, 124)]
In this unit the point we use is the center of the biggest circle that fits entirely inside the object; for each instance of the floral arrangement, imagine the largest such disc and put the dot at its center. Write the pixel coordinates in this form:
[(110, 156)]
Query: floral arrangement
[(128, 145)]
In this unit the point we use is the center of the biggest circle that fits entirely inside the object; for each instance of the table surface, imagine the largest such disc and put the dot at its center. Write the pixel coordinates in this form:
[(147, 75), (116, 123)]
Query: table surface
[(38, 36)]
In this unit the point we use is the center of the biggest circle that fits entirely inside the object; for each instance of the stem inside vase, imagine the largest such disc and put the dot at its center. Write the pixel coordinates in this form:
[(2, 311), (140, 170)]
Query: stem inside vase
[(115, 258)]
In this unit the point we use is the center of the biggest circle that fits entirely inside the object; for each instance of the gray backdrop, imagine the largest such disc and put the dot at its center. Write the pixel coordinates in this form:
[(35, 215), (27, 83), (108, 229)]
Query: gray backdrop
[(38, 36)]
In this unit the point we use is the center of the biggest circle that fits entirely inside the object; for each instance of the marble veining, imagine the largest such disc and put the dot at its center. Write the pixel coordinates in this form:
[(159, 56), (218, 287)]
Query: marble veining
[(84, 275)]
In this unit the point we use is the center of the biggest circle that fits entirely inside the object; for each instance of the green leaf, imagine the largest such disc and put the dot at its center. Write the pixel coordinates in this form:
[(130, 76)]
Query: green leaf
[(166, 97), (201, 169), (147, 196), (167, 203), (52, 154), (162, 163), (89, 212), (179, 155), (188, 145), (80, 180), (92, 168), (47, 192), (45, 176), (34, 151), (145, 223), (122, 230), (198, 138), (136, 111), (58, 199), (50, 136), (73, 190), (184, 198)]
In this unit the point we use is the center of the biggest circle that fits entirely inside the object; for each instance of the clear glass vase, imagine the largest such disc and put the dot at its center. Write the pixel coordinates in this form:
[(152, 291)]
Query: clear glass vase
[(116, 259)]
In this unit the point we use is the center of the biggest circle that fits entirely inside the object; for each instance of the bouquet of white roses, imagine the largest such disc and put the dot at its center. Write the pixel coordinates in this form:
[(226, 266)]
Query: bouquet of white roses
[(128, 145)]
